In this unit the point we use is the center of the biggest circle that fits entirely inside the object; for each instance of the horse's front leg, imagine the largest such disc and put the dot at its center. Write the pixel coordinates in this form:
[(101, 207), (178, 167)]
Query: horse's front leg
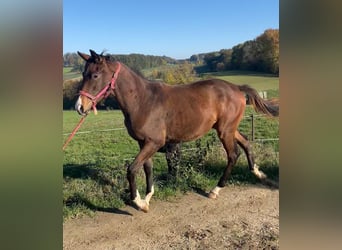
[(143, 158), (148, 166)]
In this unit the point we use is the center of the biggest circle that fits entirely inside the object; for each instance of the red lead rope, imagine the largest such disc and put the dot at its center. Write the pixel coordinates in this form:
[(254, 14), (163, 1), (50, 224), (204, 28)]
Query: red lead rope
[(74, 132)]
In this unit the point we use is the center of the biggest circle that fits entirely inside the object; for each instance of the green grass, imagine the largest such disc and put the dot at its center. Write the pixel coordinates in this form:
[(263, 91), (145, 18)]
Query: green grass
[(68, 74), (66, 70), (259, 81), (94, 165)]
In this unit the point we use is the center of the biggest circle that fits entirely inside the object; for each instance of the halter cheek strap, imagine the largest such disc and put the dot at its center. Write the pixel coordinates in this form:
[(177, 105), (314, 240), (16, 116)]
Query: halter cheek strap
[(105, 92)]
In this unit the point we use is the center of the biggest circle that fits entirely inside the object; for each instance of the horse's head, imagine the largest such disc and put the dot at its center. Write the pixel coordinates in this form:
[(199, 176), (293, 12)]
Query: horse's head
[(98, 81)]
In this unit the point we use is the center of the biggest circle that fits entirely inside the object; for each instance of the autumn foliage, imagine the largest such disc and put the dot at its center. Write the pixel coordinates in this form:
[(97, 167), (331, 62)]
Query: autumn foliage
[(260, 54)]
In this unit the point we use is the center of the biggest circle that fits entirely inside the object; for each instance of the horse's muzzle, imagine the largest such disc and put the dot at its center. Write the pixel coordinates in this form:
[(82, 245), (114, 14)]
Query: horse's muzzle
[(79, 108), (80, 111)]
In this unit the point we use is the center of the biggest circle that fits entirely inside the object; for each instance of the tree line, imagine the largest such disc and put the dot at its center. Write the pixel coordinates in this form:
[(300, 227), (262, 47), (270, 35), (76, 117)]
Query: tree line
[(260, 54), (136, 62)]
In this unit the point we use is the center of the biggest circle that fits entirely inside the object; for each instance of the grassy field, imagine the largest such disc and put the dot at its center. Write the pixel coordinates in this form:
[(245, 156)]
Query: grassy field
[(94, 166), (68, 74), (261, 82), (257, 80)]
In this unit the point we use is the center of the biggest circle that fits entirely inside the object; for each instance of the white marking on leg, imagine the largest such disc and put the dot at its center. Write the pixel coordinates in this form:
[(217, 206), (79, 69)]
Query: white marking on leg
[(142, 204), (213, 194), (149, 196), (258, 173), (216, 190), (137, 200)]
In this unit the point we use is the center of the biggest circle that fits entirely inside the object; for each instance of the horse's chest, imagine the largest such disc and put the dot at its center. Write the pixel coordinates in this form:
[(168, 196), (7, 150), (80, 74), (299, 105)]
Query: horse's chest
[(136, 129)]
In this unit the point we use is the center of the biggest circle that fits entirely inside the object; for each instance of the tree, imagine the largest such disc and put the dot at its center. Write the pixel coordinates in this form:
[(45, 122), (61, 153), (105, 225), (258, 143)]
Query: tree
[(70, 91), (237, 55), (268, 50), (225, 59), (211, 59), (260, 54)]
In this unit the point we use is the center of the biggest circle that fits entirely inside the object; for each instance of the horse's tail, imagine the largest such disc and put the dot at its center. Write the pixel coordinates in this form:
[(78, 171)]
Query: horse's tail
[(267, 107)]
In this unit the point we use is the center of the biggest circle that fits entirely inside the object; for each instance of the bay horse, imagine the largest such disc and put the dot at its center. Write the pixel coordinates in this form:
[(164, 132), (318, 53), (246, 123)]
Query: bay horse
[(156, 114)]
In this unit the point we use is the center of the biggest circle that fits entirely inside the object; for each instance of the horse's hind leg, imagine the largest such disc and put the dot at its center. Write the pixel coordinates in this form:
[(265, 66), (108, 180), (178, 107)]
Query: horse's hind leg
[(173, 155), (230, 146), (246, 146)]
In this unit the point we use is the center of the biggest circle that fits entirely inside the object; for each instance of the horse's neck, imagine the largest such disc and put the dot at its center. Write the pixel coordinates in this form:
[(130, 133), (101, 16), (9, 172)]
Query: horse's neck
[(130, 90)]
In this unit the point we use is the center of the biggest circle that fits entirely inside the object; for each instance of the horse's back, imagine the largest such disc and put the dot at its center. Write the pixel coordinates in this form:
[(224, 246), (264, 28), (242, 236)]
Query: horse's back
[(211, 86), (206, 92), (193, 109)]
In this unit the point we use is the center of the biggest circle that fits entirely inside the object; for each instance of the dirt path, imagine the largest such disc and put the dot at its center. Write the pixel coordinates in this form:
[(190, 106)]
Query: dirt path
[(241, 218)]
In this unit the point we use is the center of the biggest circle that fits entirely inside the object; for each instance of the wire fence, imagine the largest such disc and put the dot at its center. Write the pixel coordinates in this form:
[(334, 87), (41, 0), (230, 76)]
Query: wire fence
[(262, 132)]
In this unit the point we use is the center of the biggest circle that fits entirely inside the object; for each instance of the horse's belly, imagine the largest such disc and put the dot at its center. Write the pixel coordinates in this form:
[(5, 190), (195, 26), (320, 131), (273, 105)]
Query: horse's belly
[(188, 131)]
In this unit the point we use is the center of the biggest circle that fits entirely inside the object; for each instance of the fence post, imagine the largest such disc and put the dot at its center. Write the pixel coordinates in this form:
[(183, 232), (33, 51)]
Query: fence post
[(253, 131)]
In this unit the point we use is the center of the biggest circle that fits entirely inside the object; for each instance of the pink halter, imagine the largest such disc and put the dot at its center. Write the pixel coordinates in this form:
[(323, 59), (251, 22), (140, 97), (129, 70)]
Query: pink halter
[(104, 92)]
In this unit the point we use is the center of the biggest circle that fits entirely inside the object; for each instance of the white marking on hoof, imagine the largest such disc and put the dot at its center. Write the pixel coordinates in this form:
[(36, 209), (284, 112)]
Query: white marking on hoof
[(141, 204), (258, 173), (149, 196), (137, 199), (214, 193)]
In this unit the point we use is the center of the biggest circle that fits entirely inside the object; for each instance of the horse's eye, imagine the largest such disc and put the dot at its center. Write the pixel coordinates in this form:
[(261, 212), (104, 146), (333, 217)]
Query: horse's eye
[(95, 76)]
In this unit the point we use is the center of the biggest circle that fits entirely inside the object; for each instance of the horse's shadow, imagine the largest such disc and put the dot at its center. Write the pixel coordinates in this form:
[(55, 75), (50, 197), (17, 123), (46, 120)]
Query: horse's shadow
[(88, 171), (242, 175)]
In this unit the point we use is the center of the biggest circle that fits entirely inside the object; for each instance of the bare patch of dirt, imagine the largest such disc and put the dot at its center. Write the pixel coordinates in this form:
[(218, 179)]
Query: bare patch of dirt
[(244, 217)]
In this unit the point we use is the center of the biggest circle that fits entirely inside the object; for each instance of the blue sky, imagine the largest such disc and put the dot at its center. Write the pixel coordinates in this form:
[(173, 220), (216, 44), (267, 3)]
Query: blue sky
[(175, 28)]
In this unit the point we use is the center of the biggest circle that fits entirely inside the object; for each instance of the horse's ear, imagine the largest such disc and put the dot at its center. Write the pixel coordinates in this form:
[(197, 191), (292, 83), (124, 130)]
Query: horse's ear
[(95, 55), (84, 56)]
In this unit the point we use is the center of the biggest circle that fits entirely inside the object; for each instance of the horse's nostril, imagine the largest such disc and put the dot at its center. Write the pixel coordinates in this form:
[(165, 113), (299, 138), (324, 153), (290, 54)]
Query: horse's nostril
[(80, 109)]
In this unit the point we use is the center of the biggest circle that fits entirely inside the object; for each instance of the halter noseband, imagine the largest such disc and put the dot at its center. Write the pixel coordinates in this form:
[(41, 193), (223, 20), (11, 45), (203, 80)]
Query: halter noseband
[(103, 92)]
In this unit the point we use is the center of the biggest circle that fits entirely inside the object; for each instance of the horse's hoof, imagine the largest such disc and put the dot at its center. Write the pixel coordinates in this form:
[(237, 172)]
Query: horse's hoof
[(143, 205), (212, 195), (258, 173), (145, 209)]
